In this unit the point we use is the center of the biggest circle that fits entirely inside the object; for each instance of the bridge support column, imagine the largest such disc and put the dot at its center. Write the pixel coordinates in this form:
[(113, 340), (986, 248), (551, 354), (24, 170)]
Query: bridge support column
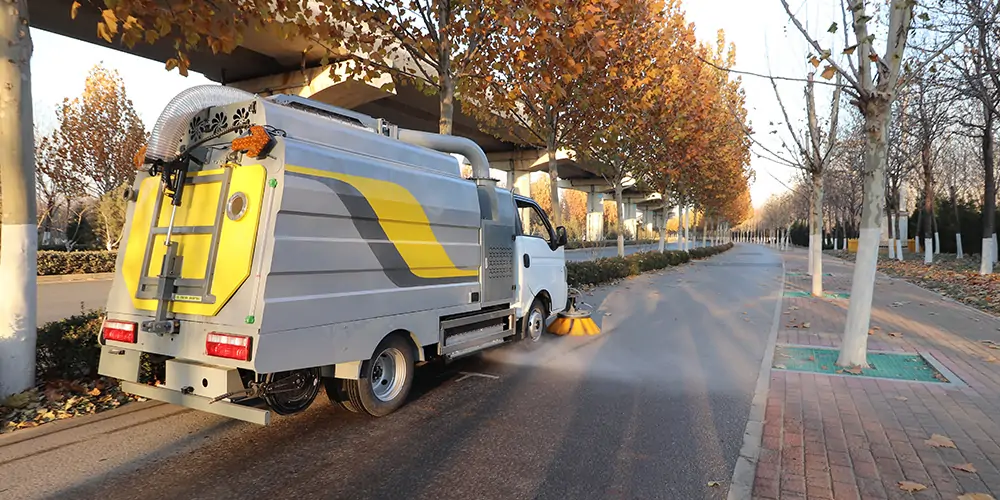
[(595, 215)]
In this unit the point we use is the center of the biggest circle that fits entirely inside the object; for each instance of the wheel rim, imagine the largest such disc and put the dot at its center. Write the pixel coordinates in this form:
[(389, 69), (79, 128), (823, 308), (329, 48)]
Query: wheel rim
[(388, 374), (535, 324)]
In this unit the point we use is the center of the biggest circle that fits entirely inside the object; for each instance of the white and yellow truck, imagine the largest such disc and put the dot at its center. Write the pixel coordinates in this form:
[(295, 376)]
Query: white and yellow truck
[(275, 244)]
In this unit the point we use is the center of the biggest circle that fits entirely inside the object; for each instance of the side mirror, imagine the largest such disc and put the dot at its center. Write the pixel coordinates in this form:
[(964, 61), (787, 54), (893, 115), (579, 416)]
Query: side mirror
[(561, 238)]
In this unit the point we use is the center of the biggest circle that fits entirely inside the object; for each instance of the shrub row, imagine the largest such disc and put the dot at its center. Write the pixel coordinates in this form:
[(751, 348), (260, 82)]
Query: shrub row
[(596, 272), (53, 262), (69, 349)]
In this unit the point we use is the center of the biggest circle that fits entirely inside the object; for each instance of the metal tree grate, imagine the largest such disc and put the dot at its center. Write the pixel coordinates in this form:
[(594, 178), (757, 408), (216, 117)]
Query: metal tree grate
[(897, 366)]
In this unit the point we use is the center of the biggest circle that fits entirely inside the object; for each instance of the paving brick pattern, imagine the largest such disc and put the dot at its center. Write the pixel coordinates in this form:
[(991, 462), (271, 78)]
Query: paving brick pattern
[(839, 437)]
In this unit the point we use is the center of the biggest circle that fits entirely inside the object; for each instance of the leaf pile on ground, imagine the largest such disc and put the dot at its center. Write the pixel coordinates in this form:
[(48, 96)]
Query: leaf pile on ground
[(59, 399), (958, 279)]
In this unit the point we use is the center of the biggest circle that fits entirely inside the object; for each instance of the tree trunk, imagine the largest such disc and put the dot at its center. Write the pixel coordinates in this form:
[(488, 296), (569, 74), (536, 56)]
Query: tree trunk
[(812, 231), (919, 230), (19, 238), (854, 350), (958, 221), (663, 230), (704, 231), (937, 234), (892, 234), (550, 148), (447, 80), (989, 197), (619, 205), (815, 239)]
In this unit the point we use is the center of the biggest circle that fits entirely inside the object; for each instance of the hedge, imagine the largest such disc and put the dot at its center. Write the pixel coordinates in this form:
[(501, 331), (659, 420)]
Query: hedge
[(604, 270), (53, 262), (69, 349)]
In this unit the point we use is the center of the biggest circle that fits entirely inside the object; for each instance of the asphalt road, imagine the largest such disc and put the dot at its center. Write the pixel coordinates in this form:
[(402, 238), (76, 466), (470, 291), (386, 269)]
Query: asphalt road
[(61, 300), (654, 407)]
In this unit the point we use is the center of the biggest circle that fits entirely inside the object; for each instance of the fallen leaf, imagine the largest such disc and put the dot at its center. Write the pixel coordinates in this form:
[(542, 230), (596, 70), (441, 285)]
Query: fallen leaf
[(780, 367), (939, 441), (976, 496), (900, 398), (965, 468), (94, 392), (811, 358), (910, 486), (713, 484), (839, 371), (895, 334), (990, 359), (856, 370), (805, 325), (823, 367), (17, 401), (876, 328)]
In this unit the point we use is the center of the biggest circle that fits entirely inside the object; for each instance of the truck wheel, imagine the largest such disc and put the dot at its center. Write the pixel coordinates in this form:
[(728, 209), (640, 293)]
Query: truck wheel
[(533, 323), (336, 391), (385, 379)]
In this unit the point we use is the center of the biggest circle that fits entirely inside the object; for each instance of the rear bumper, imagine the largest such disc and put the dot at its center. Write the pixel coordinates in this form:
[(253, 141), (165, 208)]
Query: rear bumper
[(230, 410)]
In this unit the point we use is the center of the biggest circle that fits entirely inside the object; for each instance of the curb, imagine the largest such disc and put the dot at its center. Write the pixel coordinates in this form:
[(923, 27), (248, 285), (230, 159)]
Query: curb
[(741, 485), (74, 278)]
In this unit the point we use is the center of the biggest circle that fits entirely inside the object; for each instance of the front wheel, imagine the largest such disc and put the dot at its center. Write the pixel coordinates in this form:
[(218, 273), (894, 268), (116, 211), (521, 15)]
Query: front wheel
[(385, 379), (533, 323)]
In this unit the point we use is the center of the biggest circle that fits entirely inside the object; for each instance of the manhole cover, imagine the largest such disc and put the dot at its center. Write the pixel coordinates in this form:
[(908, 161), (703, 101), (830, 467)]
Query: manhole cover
[(897, 366)]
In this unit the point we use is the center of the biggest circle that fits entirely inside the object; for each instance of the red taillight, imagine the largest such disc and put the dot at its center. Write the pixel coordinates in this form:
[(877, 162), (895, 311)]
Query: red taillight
[(119, 331), (224, 345)]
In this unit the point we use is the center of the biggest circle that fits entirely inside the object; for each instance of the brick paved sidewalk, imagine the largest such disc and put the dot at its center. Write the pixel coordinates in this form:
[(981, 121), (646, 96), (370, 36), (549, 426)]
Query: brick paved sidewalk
[(840, 437)]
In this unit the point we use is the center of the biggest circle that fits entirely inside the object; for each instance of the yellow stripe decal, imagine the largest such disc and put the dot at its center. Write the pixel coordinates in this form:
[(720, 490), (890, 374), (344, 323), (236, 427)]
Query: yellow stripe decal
[(404, 221)]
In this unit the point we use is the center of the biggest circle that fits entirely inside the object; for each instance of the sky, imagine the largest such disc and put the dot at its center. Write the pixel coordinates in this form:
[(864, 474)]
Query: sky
[(765, 43)]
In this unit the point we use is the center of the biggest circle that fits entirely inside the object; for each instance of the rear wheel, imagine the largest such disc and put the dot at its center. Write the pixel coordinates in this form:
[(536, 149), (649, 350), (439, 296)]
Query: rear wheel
[(336, 390), (385, 379)]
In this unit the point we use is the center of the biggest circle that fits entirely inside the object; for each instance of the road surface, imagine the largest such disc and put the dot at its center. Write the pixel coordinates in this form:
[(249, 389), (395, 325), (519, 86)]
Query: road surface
[(654, 407), (60, 300)]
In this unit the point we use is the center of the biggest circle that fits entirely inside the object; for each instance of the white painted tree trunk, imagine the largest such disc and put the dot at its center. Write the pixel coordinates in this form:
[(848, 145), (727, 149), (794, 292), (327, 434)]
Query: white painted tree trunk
[(958, 245), (986, 262), (663, 230), (916, 243), (892, 248), (854, 347), (899, 249), (937, 243), (994, 246), (928, 251), (687, 225), (19, 238)]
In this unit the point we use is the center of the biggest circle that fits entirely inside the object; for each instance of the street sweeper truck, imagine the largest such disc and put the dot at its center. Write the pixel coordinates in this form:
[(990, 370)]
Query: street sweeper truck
[(275, 244)]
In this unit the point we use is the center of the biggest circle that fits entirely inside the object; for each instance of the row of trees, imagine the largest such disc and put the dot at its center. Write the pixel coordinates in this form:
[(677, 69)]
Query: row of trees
[(920, 117), (620, 82)]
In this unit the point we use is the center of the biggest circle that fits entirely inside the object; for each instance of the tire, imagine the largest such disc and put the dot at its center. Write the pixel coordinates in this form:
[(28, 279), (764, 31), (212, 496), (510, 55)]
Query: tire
[(533, 323), (336, 391), (385, 380)]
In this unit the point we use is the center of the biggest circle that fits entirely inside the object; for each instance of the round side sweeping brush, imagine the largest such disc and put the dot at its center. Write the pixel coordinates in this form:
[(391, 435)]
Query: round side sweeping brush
[(573, 321)]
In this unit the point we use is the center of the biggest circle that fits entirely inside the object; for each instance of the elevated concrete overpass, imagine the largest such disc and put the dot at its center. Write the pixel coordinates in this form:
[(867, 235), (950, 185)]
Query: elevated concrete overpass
[(267, 63)]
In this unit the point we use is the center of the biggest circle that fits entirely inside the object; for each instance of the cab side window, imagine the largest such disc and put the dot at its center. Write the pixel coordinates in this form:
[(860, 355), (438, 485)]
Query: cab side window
[(533, 222)]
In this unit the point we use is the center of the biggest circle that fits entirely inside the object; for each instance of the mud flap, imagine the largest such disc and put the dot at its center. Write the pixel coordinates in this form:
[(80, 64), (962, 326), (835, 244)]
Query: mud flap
[(122, 364)]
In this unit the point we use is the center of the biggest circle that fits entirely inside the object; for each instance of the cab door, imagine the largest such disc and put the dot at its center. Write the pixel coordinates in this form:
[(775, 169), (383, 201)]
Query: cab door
[(541, 260)]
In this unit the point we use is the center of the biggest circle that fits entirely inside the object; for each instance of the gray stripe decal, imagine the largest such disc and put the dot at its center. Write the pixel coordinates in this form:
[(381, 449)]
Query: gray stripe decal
[(366, 222)]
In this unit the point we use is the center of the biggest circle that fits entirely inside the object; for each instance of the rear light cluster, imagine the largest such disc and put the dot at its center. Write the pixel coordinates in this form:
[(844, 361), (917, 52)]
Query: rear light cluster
[(119, 331), (224, 345)]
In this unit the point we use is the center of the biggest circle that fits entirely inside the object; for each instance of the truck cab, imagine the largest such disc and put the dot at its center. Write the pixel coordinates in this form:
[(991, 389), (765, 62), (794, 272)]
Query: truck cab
[(541, 264)]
